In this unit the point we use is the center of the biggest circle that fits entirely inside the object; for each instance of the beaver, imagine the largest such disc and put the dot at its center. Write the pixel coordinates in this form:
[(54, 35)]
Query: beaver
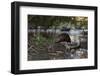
[(64, 37)]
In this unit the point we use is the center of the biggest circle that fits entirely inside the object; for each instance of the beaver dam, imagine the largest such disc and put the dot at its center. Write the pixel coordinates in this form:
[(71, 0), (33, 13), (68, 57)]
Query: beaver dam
[(49, 46)]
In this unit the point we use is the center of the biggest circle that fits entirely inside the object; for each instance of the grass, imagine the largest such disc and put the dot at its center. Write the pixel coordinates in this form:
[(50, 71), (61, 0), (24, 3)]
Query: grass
[(39, 40)]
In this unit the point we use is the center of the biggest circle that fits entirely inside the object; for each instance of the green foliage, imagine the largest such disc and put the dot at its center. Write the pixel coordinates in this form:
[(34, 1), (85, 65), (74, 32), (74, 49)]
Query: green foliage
[(39, 40), (51, 21)]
